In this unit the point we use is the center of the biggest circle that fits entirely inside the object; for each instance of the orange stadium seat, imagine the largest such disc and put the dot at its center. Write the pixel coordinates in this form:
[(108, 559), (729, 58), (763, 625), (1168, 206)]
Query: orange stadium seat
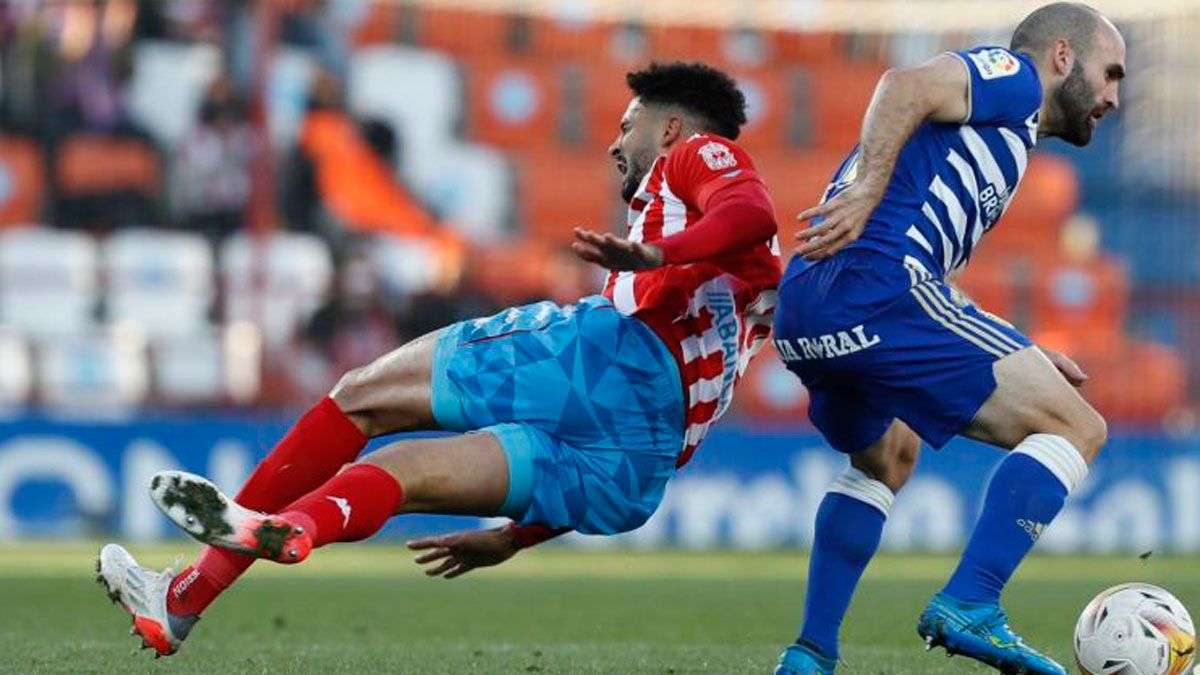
[(839, 96), (807, 48), (513, 101), (796, 180), (1047, 196), (1085, 299), (599, 89), (1130, 381), (23, 180), (530, 269), (565, 38), (723, 48), (685, 43), (463, 32), (561, 189), (994, 283), (769, 391), (91, 164), (768, 107), (378, 25)]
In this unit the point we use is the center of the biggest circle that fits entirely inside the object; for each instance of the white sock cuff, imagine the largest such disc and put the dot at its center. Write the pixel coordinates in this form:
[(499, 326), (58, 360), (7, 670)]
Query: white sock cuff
[(858, 485), (1058, 456)]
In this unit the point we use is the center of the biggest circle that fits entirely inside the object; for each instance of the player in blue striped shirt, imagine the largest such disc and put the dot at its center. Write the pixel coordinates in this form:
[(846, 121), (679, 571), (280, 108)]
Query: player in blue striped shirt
[(891, 353)]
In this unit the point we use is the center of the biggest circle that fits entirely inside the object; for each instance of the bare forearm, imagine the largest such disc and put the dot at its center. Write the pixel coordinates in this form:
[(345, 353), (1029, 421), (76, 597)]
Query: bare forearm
[(896, 110), (524, 536)]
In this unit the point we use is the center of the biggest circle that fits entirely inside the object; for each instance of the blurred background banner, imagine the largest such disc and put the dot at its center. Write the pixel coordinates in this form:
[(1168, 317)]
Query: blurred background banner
[(210, 209), (750, 489)]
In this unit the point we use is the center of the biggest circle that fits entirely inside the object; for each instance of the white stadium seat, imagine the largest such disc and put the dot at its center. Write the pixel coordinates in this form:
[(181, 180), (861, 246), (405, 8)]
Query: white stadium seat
[(288, 82), (216, 366), (47, 281), (189, 369), (404, 266), (16, 371), (418, 92), (471, 187), (275, 283), (159, 280), (96, 373), (168, 82)]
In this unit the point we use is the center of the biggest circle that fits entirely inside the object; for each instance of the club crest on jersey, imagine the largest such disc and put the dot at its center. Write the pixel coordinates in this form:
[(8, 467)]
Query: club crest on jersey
[(993, 63), (717, 156)]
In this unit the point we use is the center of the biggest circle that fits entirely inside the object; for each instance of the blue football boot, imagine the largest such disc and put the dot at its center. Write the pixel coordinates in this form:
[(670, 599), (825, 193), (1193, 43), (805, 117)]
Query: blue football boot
[(981, 632), (800, 659)]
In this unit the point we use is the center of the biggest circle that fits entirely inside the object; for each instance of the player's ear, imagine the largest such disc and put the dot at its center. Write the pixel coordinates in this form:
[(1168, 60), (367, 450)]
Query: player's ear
[(1062, 57), (672, 130)]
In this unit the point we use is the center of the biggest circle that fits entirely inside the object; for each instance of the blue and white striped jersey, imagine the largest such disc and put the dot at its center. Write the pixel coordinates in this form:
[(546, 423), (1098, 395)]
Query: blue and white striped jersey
[(952, 182)]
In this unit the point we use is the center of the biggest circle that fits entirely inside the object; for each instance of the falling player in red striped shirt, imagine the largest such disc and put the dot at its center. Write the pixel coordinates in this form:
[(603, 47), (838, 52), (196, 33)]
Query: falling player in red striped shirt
[(570, 417)]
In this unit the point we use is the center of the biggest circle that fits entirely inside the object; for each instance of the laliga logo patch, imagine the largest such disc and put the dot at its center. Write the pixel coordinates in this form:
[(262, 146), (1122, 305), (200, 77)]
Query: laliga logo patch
[(717, 156), (993, 63)]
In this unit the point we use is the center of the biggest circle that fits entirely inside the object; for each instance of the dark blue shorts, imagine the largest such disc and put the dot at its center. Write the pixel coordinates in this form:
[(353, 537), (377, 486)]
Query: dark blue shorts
[(874, 339)]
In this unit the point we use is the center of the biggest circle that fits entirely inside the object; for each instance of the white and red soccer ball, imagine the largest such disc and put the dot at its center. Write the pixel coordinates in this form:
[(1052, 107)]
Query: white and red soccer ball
[(1135, 629)]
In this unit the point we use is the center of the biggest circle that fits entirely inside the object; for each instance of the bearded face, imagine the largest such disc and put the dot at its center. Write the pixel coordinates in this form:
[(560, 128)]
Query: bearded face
[(1077, 104)]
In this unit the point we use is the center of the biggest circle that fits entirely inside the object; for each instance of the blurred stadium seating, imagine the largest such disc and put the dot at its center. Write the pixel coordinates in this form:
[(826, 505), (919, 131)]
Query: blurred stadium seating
[(495, 124)]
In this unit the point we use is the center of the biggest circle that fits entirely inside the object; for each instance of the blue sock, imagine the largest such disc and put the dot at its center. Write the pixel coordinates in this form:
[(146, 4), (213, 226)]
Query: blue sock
[(1025, 494), (849, 525)]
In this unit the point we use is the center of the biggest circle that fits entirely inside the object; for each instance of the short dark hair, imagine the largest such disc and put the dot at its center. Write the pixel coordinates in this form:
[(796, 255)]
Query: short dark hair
[(698, 88), (1074, 21)]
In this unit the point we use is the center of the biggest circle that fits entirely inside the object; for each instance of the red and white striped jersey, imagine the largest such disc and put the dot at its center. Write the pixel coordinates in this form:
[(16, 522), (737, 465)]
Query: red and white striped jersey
[(712, 314)]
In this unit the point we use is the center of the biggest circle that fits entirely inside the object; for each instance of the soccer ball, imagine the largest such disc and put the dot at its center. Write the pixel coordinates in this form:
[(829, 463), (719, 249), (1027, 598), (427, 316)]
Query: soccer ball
[(1134, 629)]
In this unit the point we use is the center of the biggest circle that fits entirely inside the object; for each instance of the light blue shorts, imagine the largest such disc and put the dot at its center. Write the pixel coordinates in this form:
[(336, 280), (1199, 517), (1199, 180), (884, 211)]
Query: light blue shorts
[(586, 402)]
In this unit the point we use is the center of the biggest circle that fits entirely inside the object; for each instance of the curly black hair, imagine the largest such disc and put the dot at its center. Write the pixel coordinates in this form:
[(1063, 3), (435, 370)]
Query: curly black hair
[(696, 87)]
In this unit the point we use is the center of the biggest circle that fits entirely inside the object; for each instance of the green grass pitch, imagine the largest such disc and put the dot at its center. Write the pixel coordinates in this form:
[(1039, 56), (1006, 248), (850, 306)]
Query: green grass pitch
[(367, 609)]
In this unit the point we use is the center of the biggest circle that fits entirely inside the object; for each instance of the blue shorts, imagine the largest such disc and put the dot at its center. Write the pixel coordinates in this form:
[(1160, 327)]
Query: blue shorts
[(586, 402), (874, 340)]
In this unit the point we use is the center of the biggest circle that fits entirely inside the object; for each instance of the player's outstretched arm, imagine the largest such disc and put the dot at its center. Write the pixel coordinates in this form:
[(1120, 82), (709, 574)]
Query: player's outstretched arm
[(937, 90), (735, 217), (453, 555), (615, 253)]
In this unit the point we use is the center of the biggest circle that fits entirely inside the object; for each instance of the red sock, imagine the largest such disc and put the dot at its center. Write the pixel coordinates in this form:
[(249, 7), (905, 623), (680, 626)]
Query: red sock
[(352, 505), (315, 448), (318, 444)]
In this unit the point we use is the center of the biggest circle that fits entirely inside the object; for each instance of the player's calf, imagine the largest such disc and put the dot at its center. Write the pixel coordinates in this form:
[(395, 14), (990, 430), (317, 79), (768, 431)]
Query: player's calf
[(1053, 434)]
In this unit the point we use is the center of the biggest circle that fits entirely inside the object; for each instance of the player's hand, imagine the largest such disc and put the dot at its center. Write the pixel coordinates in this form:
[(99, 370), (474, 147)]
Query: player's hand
[(453, 555), (1066, 366), (615, 253), (845, 217)]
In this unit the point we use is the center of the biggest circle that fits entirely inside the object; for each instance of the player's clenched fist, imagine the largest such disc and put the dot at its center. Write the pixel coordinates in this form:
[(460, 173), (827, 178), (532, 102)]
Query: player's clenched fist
[(844, 216), (458, 553)]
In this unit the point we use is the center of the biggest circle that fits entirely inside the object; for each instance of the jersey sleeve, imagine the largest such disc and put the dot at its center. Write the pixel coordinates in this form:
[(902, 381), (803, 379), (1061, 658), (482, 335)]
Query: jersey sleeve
[(705, 164), (1004, 86)]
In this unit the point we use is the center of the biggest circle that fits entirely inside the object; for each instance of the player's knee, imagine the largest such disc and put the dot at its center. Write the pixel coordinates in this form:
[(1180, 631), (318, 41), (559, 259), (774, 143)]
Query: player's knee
[(1091, 432), (891, 463), (906, 459), (1083, 427), (353, 394)]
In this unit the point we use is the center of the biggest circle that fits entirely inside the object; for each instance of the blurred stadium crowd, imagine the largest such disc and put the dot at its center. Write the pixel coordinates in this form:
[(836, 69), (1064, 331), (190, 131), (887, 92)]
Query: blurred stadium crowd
[(209, 203)]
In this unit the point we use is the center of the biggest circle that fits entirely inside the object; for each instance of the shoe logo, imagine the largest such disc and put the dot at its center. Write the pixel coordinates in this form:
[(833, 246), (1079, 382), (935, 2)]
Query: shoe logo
[(1001, 644), (1033, 529), (344, 505), (180, 588)]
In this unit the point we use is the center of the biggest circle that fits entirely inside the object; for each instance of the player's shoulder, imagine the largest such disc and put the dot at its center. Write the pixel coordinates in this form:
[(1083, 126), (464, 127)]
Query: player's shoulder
[(711, 151), (991, 62)]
